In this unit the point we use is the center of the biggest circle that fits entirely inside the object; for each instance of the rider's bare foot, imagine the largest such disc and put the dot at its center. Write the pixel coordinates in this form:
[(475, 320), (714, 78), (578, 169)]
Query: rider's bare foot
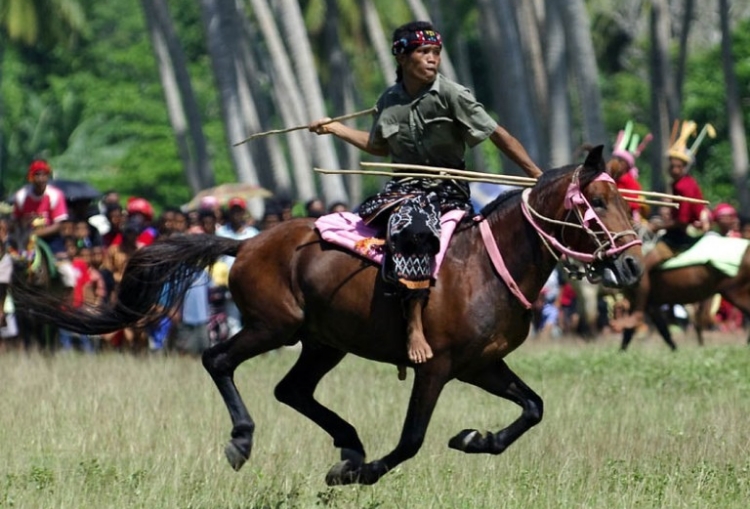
[(632, 321), (418, 349)]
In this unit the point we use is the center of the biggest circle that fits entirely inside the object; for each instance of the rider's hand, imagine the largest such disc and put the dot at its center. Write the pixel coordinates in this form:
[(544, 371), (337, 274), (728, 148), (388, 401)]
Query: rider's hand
[(320, 126)]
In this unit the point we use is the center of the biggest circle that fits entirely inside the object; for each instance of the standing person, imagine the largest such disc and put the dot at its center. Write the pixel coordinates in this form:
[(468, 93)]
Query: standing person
[(235, 227), (426, 119), (141, 213), (682, 228)]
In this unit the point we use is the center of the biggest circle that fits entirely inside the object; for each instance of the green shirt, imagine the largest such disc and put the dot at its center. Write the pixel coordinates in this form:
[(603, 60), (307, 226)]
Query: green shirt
[(433, 128)]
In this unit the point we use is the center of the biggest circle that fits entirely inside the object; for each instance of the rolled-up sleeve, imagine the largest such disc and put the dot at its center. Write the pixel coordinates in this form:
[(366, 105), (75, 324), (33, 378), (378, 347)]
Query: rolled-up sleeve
[(470, 113)]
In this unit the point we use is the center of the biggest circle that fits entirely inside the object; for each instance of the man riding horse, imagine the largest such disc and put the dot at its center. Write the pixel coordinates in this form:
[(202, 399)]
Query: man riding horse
[(424, 119), (685, 225)]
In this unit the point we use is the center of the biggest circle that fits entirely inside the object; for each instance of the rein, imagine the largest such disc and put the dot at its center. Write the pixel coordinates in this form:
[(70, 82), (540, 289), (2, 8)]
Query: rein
[(574, 197)]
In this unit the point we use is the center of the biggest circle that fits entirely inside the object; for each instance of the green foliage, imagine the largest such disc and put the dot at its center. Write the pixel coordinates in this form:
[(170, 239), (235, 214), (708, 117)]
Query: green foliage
[(92, 101)]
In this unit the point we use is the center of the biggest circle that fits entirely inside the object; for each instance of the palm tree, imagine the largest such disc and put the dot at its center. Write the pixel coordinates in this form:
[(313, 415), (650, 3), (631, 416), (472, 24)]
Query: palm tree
[(580, 50), (182, 106), (32, 22), (559, 121), (737, 135), (298, 43), (662, 92), (287, 98), (222, 36)]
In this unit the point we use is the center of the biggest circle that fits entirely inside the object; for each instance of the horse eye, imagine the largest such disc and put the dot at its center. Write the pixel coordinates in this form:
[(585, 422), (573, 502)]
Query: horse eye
[(598, 203)]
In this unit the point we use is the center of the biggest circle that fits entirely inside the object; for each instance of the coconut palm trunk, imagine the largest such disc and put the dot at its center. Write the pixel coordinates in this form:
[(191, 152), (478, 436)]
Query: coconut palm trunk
[(287, 99), (182, 107), (559, 119), (737, 137), (298, 43)]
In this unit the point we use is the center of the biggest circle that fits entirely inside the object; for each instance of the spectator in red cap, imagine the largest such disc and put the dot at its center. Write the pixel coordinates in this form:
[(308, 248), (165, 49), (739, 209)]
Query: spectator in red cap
[(39, 205), (141, 213)]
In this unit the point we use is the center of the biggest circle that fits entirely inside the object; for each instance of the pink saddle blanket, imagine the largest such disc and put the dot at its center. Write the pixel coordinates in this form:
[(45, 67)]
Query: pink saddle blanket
[(347, 230)]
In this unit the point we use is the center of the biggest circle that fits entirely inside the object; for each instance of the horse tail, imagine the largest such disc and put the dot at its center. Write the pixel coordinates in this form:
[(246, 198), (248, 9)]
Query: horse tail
[(155, 280)]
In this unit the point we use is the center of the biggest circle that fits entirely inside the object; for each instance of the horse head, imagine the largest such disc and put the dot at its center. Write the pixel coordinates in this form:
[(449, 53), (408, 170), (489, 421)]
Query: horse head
[(584, 222)]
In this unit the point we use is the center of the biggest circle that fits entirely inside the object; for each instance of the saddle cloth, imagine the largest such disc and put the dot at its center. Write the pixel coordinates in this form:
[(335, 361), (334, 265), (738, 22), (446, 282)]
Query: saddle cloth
[(723, 253), (349, 231)]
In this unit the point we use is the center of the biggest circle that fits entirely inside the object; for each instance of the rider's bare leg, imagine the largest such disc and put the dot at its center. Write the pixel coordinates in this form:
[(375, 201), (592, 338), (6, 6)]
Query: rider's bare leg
[(637, 315), (418, 349)]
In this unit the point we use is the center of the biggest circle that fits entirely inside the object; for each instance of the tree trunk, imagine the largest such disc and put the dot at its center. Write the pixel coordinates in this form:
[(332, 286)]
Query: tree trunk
[(302, 56), (379, 40), (559, 126), (530, 33), (222, 36), (182, 107), (583, 61), (511, 94), (687, 21), (288, 100), (661, 90), (267, 153), (737, 136)]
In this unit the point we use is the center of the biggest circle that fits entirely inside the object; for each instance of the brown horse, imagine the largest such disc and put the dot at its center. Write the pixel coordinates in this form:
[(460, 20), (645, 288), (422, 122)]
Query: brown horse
[(692, 284), (293, 287)]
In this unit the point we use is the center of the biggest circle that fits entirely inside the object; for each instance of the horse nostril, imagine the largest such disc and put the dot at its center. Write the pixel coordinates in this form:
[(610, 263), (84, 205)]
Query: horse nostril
[(632, 265)]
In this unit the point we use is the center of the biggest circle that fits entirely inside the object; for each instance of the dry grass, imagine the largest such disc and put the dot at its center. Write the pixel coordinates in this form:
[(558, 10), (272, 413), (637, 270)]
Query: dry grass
[(644, 429)]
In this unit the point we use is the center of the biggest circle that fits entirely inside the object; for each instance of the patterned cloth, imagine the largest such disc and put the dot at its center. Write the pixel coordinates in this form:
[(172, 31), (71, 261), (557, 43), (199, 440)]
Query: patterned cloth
[(409, 211)]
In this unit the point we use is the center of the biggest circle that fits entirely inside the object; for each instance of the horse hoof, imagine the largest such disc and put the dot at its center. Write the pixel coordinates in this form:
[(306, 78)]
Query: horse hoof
[(356, 458), (463, 440), (342, 473), (235, 455)]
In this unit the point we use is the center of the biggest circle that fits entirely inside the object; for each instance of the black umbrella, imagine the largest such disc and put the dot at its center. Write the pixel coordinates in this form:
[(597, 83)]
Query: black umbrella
[(75, 190)]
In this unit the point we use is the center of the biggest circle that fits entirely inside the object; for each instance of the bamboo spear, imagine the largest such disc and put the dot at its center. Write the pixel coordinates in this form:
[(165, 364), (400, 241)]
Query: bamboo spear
[(490, 178), (665, 195), (512, 178), (299, 127)]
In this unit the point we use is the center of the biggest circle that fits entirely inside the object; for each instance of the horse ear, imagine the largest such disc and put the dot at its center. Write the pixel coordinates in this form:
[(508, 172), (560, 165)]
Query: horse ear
[(594, 159)]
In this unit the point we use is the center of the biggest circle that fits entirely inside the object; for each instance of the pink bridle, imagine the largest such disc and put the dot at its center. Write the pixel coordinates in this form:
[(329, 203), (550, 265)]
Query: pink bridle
[(575, 200)]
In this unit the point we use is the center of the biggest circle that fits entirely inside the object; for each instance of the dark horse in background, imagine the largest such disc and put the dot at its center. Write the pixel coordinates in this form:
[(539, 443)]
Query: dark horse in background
[(34, 267), (688, 285), (293, 287)]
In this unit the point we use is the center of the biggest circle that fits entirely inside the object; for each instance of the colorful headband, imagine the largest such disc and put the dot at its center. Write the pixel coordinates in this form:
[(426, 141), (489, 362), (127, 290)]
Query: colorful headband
[(416, 39)]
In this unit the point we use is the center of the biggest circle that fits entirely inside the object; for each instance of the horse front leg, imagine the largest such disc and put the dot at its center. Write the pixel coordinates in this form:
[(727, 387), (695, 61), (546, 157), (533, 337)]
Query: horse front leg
[(498, 379), (220, 361), (429, 380), (296, 389)]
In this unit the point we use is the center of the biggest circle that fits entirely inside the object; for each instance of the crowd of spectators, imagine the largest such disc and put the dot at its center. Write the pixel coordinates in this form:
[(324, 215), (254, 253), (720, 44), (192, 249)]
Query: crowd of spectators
[(92, 240)]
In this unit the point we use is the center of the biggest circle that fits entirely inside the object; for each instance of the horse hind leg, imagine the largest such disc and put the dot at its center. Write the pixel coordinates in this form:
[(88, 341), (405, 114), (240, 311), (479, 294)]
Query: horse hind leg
[(296, 389), (429, 380), (498, 379), (220, 361)]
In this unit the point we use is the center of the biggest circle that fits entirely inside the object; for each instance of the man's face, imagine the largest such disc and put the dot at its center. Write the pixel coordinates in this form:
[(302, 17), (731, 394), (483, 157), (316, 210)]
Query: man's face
[(39, 180), (422, 64), (676, 168)]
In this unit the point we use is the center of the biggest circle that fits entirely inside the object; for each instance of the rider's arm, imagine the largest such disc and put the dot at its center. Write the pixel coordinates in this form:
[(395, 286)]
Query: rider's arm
[(47, 231), (512, 148), (360, 139)]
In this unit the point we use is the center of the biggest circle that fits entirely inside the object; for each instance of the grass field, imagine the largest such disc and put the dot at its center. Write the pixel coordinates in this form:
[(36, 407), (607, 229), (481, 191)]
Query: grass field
[(644, 429)]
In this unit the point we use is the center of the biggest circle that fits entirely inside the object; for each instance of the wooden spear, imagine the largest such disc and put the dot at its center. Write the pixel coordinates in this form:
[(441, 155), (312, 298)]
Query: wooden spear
[(486, 177), (299, 127)]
